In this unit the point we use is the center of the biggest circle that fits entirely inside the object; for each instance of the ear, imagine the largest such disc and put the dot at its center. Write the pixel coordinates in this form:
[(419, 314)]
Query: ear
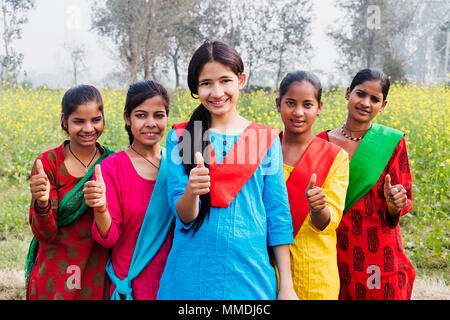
[(319, 110), (242, 80), (63, 122), (127, 119), (347, 94), (277, 102), (384, 105)]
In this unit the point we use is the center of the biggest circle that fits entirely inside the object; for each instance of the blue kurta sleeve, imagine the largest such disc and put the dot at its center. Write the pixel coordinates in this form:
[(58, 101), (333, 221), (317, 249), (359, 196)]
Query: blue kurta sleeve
[(275, 197)]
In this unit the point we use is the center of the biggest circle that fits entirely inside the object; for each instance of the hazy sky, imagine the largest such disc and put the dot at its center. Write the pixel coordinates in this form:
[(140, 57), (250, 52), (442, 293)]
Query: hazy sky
[(56, 23)]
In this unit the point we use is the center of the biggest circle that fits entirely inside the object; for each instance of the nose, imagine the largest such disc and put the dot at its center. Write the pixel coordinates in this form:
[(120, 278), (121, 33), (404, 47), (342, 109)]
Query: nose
[(365, 101), (217, 91), (298, 111), (151, 122), (88, 127)]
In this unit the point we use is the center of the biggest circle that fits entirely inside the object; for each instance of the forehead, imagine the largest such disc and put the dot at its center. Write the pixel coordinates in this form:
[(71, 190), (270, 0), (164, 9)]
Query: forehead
[(372, 87), (214, 69), (87, 110), (301, 91), (152, 104)]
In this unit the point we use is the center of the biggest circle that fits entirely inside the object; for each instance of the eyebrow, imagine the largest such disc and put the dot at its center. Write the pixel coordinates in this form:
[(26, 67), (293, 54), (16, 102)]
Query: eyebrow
[(222, 77)]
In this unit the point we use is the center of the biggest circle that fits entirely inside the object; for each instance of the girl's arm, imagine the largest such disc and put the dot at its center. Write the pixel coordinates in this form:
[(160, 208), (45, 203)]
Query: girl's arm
[(44, 201), (283, 260)]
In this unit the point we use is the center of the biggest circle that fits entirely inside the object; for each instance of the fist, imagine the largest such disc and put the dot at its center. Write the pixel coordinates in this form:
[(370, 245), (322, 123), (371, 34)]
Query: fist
[(40, 185), (316, 197), (396, 197), (95, 191), (199, 179)]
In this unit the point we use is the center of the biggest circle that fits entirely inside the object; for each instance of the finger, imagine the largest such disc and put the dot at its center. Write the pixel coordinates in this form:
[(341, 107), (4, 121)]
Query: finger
[(317, 201), (201, 191), (199, 159), (313, 192), (312, 182), (387, 183), (98, 174), (36, 180), (39, 167)]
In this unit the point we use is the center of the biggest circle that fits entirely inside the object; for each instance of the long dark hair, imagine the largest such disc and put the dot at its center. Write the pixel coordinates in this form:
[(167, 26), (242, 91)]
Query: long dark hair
[(137, 93), (76, 96), (369, 75), (210, 50)]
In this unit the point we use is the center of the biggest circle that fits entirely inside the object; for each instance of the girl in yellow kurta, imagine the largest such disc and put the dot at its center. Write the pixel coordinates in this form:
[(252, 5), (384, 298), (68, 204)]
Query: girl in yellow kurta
[(316, 176)]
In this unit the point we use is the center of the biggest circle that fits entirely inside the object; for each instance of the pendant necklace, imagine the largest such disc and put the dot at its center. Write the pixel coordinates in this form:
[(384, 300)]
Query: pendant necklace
[(86, 167), (144, 158)]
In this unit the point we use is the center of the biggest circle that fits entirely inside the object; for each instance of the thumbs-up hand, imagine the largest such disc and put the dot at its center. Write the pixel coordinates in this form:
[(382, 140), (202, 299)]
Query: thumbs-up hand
[(396, 196), (40, 185), (199, 179), (316, 197), (95, 191)]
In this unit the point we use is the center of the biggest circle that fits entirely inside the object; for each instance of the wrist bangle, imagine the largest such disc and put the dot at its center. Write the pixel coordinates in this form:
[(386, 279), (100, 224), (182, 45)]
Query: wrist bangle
[(101, 211), (42, 210)]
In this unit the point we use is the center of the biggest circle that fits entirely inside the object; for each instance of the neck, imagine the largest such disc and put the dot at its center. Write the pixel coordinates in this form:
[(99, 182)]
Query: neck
[(353, 125), (82, 152), (229, 123), (147, 151), (300, 140)]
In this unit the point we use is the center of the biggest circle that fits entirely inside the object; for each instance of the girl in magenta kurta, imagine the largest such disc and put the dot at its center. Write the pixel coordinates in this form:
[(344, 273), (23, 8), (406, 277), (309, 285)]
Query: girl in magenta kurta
[(128, 195), (122, 191)]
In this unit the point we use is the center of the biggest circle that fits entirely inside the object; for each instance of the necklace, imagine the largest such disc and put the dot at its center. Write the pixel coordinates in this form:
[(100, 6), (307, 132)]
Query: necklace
[(144, 158), (347, 136), (85, 166)]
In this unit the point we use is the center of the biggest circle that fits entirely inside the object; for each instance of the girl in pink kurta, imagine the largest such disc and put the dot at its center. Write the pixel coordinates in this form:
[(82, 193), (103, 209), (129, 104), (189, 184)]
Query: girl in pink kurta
[(128, 195), (128, 218)]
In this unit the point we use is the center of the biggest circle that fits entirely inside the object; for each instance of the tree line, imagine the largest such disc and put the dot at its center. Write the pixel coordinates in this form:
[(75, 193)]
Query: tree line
[(409, 40)]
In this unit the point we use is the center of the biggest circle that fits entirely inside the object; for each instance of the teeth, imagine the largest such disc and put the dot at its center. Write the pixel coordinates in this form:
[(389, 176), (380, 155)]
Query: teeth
[(218, 102)]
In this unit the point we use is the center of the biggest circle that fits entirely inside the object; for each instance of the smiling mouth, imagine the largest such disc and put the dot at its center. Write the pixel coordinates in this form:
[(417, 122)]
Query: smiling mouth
[(297, 122), (362, 110), (87, 137), (219, 102)]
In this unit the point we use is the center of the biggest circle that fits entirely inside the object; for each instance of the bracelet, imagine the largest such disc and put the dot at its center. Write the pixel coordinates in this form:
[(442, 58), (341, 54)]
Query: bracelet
[(102, 211)]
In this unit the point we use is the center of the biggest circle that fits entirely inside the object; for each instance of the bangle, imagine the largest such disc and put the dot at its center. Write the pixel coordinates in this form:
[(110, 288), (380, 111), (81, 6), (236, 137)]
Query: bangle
[(102, 211)]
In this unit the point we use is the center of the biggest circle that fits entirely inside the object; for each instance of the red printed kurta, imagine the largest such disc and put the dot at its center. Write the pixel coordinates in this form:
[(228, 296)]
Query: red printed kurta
[(371, 258), (70, 264)]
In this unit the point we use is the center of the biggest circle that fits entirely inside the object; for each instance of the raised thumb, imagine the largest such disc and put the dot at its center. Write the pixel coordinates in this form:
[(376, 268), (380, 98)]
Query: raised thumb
[(387, 183), (312, 182), (98, 174), (199, 159), (39, 167)]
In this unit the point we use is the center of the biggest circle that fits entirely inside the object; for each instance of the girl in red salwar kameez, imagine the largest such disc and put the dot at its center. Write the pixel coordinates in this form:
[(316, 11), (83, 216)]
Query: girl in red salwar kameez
[(64, 262), (371, 259)]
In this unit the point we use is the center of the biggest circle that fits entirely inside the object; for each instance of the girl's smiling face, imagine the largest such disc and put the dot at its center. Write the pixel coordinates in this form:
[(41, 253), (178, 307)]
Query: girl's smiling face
[(148, 121), (218, 88), (365, 101), (299, 107), (85, 124)]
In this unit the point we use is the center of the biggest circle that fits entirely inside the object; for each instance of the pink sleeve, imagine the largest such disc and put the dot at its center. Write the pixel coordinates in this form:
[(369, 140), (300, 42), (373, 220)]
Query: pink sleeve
[(110, 176)]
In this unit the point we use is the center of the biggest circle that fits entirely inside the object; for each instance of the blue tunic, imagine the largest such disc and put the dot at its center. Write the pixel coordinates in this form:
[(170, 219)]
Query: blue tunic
[(227, 258)]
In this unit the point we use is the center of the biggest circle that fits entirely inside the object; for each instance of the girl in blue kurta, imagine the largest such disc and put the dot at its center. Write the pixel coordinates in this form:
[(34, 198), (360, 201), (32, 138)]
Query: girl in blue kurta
[(229, 199)]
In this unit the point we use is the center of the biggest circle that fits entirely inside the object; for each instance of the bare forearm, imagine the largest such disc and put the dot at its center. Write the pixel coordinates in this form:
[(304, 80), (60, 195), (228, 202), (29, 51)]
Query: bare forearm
[(282, 258), (187, 206), (321, 219), (103, 222)]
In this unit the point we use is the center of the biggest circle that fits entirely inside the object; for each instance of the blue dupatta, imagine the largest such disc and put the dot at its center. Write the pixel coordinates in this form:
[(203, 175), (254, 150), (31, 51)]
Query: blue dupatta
[(155, 227)]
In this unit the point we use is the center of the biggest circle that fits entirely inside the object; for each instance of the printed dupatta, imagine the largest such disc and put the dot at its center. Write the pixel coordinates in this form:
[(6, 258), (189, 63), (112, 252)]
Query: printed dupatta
[(240, 163), (370, 158), (153, 232), (70, 209), (318, 158)]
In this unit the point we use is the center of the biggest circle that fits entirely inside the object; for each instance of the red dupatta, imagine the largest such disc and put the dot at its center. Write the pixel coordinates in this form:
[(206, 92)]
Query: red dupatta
[(240, 163), (317, 158)]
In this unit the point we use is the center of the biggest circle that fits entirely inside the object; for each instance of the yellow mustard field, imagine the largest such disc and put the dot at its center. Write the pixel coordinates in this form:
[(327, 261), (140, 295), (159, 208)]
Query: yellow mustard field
[(30, 124)]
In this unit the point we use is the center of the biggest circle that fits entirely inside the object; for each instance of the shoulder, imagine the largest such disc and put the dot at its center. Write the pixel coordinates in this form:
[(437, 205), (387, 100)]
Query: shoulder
[(114, 161)]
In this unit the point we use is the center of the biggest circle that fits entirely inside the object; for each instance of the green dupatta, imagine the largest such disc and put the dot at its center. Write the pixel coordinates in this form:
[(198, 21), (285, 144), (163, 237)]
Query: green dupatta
[(369, 161), (71, 207)]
